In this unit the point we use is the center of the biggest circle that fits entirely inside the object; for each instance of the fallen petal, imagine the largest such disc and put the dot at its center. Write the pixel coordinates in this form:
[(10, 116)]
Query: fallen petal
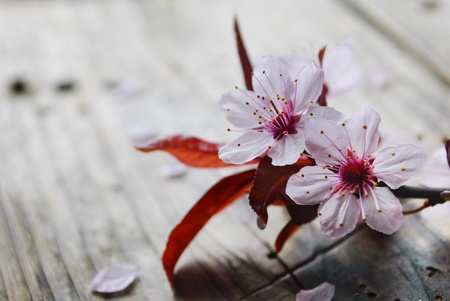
[(114, 279), (173, 170), (323, 292)]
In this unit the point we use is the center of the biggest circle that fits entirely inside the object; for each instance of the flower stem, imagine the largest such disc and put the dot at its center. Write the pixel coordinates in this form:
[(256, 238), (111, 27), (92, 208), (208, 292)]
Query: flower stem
[(434, 195)]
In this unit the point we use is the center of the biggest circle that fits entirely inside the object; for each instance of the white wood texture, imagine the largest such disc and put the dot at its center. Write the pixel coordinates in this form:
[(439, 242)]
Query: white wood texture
[(76, 197)]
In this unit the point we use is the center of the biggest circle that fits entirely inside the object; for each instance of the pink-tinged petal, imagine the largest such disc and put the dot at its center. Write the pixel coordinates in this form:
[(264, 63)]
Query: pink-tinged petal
[(338, 215), (388, 219), (338, 60), (267, 80), (311, 185), (287, 150), (363, 130), (345, 82), (325, 113), (309, 86), (326, 141), (238, 106), (245, 148), (394, 165), (114, 279), (323, 292), (295, 63), (437, 172)]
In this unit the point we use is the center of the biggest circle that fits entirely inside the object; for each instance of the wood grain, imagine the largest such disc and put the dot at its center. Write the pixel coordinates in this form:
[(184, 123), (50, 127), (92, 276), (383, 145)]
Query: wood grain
[(77, 197)]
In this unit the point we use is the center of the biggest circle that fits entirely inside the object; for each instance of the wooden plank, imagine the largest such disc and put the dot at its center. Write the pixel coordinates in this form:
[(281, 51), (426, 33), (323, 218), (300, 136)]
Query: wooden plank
[(419, 27), (95, 201)]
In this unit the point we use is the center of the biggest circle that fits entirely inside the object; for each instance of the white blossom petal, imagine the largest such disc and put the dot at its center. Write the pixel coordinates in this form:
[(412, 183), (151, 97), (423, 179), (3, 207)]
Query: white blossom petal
[(323, 292), (311, 185), (114, 279), (325, 113), (345, 82), (395, 165), (338, 60), (295, 63), (389, 219), (339, 215), (326, 141), (437, 171), (363, 128), (267, 80), (309, 86), (245, 148), (287, 150), (238, 106)]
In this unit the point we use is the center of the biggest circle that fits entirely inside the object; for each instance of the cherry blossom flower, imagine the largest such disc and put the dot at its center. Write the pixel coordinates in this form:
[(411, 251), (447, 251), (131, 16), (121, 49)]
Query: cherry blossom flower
[(350, 169), (339, 75), (323, 292), (272, 117)]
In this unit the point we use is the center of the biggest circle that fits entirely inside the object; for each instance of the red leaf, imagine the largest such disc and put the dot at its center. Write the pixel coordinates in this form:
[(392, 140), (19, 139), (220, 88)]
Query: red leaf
[(284, 235), (245, 61), (270, 184), (213, 201), (191, 151)]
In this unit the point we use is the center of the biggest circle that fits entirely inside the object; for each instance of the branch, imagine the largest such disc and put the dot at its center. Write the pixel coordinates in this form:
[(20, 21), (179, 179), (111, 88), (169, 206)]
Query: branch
[(434, 195)]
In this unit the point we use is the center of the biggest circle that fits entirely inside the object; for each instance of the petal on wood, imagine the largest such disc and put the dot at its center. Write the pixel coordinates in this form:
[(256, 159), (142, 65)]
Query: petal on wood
[(270, 184), (284, 235), (114, 279), (191, 151), (217, 198), (245, 61)]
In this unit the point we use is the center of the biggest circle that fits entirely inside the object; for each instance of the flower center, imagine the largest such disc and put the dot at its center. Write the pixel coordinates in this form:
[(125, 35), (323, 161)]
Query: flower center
[(282, 124), (356, 173)]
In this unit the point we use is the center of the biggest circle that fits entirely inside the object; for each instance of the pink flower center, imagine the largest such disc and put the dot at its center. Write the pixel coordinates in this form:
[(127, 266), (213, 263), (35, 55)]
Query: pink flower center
[(356, 174), (282, 124)]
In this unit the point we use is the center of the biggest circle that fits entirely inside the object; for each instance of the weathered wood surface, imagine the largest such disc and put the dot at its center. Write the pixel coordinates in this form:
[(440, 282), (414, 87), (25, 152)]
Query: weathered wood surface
[(76, 197)]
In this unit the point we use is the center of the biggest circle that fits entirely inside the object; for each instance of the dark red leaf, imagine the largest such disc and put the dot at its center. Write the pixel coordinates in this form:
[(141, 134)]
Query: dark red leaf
[(191, 151), (213, 201), (270, 184), (284, 235), (322, 101), (245, 61)]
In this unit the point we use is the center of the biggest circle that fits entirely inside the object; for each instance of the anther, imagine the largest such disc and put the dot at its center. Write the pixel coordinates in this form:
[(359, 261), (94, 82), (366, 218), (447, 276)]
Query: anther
[(403, 169), (311, 114), (321, 131), (228, 130), (364, 127)]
